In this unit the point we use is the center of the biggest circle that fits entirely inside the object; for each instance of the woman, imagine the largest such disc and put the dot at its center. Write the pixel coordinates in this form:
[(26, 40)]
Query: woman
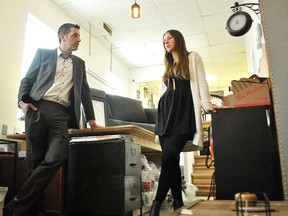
[(179, 113)]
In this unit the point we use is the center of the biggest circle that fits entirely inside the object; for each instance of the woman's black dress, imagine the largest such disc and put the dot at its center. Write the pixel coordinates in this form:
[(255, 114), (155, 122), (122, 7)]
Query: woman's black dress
[(176, 114)]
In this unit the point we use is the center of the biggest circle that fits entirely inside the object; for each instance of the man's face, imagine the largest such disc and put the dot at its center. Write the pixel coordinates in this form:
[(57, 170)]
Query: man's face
[(70, 41)]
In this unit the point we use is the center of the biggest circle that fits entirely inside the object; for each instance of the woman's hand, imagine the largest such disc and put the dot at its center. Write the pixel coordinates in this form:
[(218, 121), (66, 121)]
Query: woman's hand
[(211, 109)]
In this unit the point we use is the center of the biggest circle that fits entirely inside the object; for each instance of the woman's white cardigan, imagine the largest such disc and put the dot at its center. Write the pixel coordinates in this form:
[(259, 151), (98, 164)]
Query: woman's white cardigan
[(200, 96)]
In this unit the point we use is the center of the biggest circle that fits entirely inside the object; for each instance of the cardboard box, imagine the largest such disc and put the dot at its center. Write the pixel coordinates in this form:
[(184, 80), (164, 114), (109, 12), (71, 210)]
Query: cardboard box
[(248, 92)]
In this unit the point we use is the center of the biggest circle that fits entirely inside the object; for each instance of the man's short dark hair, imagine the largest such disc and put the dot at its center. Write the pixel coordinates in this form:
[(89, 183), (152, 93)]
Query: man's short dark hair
[(65, 29)]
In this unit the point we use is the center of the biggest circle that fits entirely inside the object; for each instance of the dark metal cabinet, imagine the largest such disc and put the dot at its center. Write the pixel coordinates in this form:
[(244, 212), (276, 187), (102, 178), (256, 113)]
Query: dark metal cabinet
[(103, 177), (246, 153)]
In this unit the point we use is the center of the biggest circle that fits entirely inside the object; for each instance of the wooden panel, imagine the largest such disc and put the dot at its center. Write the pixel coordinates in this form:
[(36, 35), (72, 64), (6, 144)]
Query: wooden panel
[(7, 174), (53, 192), (54, 201)]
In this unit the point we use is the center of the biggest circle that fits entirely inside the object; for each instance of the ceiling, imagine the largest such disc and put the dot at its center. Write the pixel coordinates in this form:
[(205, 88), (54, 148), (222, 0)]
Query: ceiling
[(138, 42)]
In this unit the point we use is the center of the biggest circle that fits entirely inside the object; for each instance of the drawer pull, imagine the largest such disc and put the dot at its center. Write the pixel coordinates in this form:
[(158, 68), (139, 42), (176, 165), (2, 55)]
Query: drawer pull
[(133, 198), (133, 164)]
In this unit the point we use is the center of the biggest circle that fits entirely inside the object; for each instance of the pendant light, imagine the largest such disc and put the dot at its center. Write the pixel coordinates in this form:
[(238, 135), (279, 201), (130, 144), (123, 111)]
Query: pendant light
[(135, 10)]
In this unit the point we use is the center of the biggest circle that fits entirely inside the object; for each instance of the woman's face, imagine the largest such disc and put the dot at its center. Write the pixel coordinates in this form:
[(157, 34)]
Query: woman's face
[(169, 42)]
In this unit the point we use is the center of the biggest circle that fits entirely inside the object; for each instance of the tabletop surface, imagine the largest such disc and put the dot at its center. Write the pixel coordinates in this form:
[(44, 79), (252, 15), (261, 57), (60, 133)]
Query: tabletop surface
[(145, 137)]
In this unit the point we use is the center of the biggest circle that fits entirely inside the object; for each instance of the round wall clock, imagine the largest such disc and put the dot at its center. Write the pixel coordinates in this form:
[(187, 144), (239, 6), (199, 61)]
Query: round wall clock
[(239, 23)]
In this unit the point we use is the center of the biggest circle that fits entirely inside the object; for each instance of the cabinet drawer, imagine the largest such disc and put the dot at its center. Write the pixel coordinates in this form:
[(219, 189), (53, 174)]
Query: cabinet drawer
[(108, 157), (107, 195)]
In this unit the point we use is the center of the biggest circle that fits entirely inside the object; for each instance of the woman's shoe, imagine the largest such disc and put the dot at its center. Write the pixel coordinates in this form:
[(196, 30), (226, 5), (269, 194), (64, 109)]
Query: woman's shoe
[(155, 208), (177, 203)]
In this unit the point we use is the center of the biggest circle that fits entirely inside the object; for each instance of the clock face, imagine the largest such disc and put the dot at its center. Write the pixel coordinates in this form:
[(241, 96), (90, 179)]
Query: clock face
[(237, 22)]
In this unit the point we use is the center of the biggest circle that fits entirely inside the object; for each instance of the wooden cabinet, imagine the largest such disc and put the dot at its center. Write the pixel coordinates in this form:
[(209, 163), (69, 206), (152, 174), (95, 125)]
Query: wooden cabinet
[(54, 200), (53, 192), (7, 172)]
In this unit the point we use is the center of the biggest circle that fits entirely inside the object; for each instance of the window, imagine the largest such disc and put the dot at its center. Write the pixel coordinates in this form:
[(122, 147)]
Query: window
[(37, 35)]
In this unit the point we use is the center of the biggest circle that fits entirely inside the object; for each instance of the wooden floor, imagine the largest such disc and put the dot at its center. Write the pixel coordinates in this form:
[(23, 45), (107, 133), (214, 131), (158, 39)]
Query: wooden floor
[(168, 209), (228, 208)]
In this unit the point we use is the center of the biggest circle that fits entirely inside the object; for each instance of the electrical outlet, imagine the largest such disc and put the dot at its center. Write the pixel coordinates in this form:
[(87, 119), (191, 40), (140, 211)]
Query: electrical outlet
[(4, 129)]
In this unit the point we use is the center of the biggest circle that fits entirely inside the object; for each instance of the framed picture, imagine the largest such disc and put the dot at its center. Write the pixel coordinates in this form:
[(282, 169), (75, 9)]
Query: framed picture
[(100, 107)]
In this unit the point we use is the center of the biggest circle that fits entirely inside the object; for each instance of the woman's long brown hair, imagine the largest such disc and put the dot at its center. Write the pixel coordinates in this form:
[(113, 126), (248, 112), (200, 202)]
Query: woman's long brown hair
[(181, 69)]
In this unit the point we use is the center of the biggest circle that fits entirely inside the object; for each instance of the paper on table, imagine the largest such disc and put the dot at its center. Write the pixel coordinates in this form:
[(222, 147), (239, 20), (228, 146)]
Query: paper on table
[(186, 211)]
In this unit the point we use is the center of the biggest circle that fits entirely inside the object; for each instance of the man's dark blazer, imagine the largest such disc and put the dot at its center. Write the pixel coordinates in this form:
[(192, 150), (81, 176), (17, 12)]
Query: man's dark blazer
[(40, 77)]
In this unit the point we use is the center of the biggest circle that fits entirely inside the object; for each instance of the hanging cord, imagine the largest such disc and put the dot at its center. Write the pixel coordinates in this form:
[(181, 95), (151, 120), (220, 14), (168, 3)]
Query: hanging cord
[(210, 152), (212, 191), (209, 156)]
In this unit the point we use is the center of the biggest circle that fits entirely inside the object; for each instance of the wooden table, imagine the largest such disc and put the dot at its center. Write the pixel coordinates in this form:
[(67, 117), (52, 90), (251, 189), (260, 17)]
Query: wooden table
[(139, 135), (224, 208)]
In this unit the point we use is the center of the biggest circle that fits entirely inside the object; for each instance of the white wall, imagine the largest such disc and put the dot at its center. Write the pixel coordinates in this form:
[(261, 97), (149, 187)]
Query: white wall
[(256, 53), (13, 19)]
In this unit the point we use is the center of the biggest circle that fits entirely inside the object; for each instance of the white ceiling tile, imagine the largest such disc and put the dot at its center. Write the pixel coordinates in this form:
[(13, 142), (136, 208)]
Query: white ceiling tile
[(179, 10), (188, 26), (59, 2), (212, 7), (221, 37), (150, 17), (216, 22), (226, 49), (156, 48), (125, 39), (196, 41), (204, 52), (150, 35)]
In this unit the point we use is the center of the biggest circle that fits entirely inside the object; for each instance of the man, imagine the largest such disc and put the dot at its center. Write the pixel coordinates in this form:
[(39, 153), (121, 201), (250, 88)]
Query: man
[(50, 95)]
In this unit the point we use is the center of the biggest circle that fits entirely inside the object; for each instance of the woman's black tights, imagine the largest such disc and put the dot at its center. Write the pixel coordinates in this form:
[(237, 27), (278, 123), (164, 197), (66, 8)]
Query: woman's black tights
[(170, 176)]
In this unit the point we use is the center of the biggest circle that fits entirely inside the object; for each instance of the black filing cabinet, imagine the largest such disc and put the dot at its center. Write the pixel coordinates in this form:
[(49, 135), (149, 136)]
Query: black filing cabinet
[(103, 176)]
